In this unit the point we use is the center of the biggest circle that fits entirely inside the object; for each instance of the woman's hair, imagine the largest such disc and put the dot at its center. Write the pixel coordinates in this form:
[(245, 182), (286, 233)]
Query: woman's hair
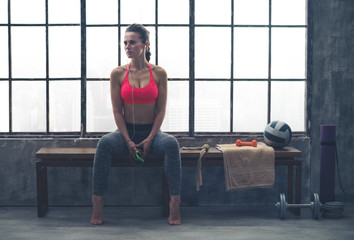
[(144, 36)]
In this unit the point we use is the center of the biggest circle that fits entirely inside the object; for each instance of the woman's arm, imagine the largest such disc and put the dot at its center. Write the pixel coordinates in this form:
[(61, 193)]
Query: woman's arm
[(161, 101), (117, 105)]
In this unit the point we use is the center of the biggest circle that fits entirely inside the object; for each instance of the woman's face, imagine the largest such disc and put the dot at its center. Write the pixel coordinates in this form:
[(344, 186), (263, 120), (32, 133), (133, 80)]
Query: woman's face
[(133, 45)]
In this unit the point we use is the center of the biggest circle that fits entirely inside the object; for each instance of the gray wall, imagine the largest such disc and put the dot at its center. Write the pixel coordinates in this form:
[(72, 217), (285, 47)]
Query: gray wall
[(332, 85), (330, 100)]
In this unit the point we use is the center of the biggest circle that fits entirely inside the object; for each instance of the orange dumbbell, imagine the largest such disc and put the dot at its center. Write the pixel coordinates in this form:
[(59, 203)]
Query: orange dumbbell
[(239, 143)]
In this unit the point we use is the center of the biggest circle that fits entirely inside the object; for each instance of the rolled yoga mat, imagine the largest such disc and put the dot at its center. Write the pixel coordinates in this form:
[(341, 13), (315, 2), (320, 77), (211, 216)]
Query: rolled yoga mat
[(327, 162)]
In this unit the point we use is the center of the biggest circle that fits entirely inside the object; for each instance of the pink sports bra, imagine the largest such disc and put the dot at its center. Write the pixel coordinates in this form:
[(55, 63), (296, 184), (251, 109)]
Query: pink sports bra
[(146, 94)]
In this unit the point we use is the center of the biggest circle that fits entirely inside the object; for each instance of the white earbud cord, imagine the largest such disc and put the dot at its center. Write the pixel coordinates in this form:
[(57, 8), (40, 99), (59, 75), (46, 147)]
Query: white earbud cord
[(133, 105), (132, 161)]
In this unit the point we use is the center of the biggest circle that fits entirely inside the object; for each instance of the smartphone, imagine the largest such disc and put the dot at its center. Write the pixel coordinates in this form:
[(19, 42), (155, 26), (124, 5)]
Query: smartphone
[(139, 156)]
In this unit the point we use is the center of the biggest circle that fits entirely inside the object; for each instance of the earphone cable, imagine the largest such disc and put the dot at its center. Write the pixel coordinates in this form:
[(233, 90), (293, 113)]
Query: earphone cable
[(133, 105)]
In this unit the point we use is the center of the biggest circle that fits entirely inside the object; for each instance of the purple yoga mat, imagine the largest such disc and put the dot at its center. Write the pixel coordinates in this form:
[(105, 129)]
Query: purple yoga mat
[(327, 162)]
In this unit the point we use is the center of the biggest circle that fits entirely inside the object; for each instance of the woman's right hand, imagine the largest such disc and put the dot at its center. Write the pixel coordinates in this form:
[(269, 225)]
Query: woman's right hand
[(132, 148)]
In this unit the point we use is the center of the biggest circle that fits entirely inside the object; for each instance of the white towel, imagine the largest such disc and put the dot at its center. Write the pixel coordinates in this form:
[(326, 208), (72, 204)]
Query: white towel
[(248, 167)]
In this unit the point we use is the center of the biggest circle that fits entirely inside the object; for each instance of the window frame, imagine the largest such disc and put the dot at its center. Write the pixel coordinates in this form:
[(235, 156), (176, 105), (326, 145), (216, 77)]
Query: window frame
[(191, 79)]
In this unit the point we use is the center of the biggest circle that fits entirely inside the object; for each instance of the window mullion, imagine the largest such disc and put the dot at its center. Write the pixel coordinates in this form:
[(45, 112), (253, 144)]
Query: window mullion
[(119, 36), (191, 67), (232, 70), (269, 61), (83, 69), (47, 66), (156, 32), (10, 63)]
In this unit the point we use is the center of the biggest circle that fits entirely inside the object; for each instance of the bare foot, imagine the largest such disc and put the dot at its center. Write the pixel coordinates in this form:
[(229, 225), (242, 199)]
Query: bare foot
[(97, 210), (175, 217)]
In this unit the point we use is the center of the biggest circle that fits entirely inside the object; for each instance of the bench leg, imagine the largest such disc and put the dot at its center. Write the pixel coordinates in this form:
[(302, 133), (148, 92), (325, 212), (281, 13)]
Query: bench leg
[(42, 189), (297, 200), (290, 200), (165, 196), (298, 187), (290, 184)]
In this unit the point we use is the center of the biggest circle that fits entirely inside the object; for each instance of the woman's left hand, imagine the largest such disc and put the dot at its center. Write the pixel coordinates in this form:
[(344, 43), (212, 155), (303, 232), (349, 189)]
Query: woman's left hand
[(145, 145)]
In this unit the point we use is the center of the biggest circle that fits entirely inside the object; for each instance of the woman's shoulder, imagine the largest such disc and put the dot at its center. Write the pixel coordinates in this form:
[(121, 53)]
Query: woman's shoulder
[(120, 70), (159, 72), (119, 73)]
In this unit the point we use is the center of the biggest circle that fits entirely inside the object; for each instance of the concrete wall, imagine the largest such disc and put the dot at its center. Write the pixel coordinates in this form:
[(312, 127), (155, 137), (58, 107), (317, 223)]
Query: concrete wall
[(330, 98), (332, 85)]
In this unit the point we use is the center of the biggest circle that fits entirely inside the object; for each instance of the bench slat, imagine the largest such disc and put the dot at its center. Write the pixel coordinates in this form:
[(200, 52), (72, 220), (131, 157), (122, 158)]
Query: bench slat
[(86, 153)]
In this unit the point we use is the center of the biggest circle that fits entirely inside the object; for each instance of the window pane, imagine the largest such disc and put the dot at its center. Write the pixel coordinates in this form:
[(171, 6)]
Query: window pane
[(212, 45), (212, 12), (126, 60), (3, 11), (171, 12), (28, 52), (177, 111), (102, 12), (288, 52), (212, 106), (64, 105), (102, 51), (4, 106), (4, 58), (251, 52), (64, 52), (28, 106), (251, 12), (288, 104), (71, 8), (28, 11), (99, 107), (180, 51), (250, 106), (137, 11), (289, 12)]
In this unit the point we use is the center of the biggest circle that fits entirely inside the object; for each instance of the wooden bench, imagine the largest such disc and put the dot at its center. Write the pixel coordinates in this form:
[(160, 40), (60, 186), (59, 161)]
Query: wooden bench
[(83, 157)]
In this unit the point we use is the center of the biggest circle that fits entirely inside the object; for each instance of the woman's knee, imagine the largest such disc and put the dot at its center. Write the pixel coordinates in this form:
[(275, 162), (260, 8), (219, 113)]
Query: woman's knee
[(170, 143), (110, 140), (104, 142)]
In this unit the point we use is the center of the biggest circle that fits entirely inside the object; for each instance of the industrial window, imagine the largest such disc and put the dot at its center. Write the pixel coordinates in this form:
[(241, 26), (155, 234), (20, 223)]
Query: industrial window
[(233, 65)]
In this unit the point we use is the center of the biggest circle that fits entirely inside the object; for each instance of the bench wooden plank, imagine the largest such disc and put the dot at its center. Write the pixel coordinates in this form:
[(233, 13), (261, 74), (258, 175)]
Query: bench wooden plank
[(86, 153)]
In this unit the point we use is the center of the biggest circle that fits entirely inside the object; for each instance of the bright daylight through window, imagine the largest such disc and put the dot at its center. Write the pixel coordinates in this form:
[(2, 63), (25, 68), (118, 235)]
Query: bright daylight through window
[(233, 65)]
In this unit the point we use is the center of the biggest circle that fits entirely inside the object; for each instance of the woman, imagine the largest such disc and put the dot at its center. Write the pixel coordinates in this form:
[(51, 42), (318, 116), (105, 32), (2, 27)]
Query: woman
[(139, 95)]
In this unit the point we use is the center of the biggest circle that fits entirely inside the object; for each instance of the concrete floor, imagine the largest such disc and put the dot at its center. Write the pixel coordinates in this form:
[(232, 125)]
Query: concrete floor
[(237, 222)]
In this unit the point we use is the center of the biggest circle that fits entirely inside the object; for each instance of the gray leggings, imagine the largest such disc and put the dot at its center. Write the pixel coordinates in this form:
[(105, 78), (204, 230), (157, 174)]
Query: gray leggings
[(113, 143)]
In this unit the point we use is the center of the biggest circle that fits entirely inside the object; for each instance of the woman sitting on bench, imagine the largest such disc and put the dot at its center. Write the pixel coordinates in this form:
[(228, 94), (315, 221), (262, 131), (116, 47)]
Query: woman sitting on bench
[(139, 95)]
